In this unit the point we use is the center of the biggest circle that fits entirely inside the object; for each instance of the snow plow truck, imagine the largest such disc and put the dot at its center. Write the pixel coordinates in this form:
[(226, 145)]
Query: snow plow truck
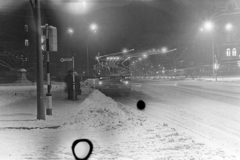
[(113, 75)]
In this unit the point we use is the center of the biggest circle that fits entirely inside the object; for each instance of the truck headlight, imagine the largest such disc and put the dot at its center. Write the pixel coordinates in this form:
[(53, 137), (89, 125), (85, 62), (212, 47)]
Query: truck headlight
[(126, 82), (100, 82)]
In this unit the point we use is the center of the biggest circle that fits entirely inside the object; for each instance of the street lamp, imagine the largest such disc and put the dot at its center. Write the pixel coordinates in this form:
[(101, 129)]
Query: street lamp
[(164, 50), (93, 28), (70, 31), (228, 26), (124, 50), (208, 26)]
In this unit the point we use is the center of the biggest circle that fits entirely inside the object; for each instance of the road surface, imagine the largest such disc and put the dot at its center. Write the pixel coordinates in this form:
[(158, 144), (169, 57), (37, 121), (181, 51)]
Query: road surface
[(209, 111)]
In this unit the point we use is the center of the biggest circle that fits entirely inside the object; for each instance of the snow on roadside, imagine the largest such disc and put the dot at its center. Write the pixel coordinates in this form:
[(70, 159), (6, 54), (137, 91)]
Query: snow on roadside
[(98, 111), (117, 132), (10, 94), (123, 132)]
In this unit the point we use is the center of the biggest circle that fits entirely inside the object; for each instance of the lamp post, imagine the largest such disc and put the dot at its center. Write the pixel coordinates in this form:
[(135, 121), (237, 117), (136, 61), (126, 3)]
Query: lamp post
[(93, 28), (208, 26), (70, 32)]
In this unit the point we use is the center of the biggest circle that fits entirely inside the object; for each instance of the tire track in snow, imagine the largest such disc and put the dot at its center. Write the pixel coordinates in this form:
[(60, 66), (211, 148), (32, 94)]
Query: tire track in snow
[(206, 131)]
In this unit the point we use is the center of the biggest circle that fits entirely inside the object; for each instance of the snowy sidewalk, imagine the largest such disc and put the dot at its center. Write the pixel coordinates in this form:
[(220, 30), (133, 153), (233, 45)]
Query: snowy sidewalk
[(18, 105)]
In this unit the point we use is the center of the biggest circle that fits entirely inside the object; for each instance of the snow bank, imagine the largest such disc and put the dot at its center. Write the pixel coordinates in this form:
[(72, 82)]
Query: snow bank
[(10, 94), (100, 112), (14, 93)]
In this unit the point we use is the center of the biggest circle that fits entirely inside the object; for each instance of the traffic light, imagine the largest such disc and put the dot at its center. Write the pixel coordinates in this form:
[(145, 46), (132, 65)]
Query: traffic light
[(43, 42), (26, 42), (52, 39)]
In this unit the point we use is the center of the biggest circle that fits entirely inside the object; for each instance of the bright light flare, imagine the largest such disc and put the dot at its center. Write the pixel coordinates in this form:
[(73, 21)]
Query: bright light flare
[(126, 82), (208, 26), (84, 4), (164, 49), (93, 27), (78, 6), (70, 30), (124, 50), (229, 27)]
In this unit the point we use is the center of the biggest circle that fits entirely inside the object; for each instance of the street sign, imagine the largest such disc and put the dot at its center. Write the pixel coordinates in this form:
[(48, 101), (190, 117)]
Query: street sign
[(65, 59)]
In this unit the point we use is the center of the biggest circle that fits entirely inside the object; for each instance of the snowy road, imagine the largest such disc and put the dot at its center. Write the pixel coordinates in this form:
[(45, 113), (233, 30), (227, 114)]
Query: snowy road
[(209, 111), (193, 121)]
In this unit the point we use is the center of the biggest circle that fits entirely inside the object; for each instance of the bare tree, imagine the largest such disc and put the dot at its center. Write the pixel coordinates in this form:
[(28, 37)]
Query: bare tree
[(13, 52)]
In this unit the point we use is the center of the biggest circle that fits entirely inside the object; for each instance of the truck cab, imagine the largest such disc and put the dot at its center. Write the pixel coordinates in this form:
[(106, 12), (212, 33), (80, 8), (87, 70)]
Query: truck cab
[(113, 76)]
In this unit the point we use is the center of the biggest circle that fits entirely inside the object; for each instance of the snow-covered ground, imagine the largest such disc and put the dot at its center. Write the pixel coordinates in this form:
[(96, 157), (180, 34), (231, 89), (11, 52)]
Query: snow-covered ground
[(117, 131)]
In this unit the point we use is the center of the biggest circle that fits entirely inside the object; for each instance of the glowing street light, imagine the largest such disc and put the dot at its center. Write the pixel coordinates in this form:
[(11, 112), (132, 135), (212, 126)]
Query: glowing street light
[(70, 30), (84, 4), (93, 27), (144, 56), (164, 49), (228, 26), (124, 50), (208, 26)]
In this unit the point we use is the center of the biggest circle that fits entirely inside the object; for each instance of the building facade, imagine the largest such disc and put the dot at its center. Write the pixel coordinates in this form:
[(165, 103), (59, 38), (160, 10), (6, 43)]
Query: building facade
[(227, 36)]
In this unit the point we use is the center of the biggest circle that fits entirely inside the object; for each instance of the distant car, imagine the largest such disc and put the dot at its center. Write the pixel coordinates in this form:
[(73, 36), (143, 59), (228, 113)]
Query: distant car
[(114, 85)]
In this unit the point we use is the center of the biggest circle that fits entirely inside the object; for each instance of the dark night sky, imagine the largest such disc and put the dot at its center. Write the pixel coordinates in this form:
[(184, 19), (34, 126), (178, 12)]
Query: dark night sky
[(141, 25)]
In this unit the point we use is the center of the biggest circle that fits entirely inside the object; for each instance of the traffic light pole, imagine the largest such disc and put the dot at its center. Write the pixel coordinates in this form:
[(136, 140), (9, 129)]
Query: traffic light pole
[(48, 95), (40, 89)]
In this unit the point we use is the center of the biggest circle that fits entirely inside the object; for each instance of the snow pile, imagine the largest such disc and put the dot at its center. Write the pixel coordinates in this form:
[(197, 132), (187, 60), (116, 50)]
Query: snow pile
[(101, 112)]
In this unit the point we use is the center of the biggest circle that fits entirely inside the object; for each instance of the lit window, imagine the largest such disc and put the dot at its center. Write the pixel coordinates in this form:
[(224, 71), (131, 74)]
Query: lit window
[(234, 52), (228, 52)]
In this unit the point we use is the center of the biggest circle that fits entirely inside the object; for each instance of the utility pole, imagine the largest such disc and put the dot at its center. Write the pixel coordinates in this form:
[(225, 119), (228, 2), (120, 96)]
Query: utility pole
[(39, 64)]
